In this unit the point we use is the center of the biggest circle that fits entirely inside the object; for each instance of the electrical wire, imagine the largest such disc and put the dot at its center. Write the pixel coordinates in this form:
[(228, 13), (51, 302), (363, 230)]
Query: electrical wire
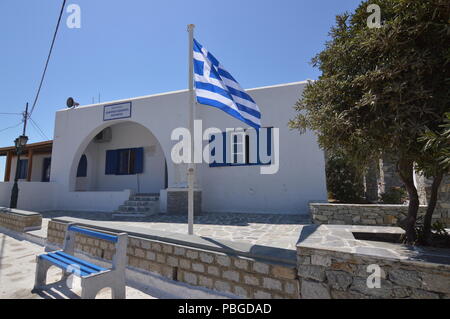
[(36, 126), (10, 127), (48, 58)]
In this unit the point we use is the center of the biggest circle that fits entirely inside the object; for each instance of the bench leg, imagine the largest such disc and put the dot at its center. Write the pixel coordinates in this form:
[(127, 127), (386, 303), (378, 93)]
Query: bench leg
[(68, 279), (42, 267), (88, 292), (90, 288), (119, 292)]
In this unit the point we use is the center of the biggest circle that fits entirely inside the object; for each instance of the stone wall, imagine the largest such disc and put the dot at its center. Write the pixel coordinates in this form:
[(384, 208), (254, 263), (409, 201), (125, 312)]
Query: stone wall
[(331, 274), (241, 276), (177, 201), (443, 204), (19, 221), (357, 214), (442, 209)]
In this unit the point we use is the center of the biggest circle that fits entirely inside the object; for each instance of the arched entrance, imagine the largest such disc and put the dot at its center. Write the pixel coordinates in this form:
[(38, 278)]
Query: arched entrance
[(125, 155)]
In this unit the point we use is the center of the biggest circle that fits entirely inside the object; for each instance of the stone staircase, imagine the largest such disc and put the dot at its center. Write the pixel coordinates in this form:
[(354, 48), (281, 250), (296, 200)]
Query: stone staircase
[(139, 205)]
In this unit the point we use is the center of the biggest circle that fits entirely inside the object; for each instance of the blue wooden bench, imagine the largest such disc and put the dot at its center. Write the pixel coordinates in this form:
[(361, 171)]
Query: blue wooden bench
[(93, 277)]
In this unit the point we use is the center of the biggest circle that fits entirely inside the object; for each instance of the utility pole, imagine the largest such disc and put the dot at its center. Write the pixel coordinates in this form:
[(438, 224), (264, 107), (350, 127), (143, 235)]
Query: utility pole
[(19, 143)]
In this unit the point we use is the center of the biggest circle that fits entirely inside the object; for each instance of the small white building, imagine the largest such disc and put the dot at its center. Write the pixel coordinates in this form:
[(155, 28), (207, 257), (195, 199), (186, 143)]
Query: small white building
[(105, 153)]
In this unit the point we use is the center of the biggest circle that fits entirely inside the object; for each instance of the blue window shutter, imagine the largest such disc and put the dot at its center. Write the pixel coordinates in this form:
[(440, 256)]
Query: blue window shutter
[(138, 160), (23, 169), (225, 143), (123, 163), (82, 167), (111, 162), (46, 169)]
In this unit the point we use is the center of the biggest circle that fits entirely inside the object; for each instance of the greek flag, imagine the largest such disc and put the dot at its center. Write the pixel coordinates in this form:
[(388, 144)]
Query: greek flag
[(216, 87)]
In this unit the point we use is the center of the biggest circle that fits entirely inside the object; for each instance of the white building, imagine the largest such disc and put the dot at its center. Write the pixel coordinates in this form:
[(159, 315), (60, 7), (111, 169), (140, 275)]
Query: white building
[(104, 153)]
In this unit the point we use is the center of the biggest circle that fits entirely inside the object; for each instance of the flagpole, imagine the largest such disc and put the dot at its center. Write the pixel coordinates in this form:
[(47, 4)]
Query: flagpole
[(191, 166)]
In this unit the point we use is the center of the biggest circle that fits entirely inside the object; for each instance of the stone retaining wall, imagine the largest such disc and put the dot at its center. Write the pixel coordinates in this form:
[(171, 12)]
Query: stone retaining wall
[(338, 275), (355, 214), (177, 201), (244, 277), (19, 221)]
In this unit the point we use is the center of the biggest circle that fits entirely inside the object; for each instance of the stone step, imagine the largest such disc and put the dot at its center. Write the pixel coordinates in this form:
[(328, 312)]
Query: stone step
[(122, 214), (140, 203), (147, 194), (140, 209), (144, 198)]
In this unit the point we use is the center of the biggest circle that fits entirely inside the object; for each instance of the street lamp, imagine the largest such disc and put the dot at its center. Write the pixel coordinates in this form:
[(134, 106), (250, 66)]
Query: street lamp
[(19, 143)]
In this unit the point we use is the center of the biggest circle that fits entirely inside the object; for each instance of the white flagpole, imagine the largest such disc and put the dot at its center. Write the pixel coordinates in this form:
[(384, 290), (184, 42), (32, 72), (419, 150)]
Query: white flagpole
[(191, 167)]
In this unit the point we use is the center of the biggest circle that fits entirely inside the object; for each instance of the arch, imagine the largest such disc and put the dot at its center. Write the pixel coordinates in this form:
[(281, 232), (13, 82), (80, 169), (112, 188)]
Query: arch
[(88, 139)]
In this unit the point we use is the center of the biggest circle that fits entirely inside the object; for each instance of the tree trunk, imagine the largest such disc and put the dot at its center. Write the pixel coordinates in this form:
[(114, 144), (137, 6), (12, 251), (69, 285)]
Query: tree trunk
[(406, 172), (430, 209)]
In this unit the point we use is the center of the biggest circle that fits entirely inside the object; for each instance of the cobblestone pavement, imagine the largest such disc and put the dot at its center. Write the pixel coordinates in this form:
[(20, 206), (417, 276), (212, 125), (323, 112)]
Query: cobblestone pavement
[(275, 230), (17, 269)]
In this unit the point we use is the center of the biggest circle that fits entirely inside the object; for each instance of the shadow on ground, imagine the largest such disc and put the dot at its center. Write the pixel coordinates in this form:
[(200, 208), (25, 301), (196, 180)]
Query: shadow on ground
[(231, 219)]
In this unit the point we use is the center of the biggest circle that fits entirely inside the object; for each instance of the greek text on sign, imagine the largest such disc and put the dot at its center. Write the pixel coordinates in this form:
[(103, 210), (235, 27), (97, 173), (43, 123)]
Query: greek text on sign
[(117, 111)]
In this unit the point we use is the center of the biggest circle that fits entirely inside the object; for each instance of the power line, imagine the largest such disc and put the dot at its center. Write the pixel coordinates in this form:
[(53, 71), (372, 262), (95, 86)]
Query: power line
[(48, 58), (36, 126), (10, 127), (3, 113)]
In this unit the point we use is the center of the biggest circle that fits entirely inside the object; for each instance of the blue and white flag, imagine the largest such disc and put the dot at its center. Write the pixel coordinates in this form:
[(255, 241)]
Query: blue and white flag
[(216, 87)]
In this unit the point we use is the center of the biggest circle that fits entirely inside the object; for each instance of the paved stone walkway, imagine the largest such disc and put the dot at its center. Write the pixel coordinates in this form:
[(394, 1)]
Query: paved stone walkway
[(17, 269), (273, 230)]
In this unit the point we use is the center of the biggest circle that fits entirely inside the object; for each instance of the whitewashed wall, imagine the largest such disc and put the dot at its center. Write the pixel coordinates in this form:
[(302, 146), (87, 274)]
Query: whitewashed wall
[(301, 177), (35, 196)]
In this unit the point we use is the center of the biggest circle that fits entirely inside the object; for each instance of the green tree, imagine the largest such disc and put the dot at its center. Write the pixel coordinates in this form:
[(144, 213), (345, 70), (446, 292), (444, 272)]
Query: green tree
[(434, 163), (381, 87), (344, 180)]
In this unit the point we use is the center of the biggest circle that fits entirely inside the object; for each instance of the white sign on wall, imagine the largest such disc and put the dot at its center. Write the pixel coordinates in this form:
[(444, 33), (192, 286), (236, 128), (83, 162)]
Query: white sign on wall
[(117, 111)]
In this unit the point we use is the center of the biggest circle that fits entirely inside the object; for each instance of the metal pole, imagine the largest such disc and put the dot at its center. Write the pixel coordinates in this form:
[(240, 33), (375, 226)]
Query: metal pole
[(15, 189), (191, 166)]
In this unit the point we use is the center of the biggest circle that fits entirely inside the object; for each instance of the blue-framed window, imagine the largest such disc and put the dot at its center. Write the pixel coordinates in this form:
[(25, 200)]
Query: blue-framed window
[(82, 167), (46, 169), (127, 161), (23, 169), (242, 148)]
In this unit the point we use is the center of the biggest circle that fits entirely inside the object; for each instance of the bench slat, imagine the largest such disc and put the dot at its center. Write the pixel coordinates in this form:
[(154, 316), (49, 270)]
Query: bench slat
[(95, 234), (74, 264), (64, 266), (80, 261)]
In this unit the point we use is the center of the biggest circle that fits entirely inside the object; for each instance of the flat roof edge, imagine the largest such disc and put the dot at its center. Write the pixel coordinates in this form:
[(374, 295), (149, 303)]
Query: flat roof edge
[(178, 92)]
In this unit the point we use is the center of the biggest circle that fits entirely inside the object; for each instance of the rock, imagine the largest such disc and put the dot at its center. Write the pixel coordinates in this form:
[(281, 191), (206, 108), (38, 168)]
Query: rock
[(422, 294), (337, 294), (314, 290), (312, 272), (339, 280), (320, 260), (360, 285), (356, 219), (405, 278), (436, 283)]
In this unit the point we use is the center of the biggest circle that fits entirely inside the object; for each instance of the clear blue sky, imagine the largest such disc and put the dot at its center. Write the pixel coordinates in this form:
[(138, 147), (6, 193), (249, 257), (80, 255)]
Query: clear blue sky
[(138, 47)]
